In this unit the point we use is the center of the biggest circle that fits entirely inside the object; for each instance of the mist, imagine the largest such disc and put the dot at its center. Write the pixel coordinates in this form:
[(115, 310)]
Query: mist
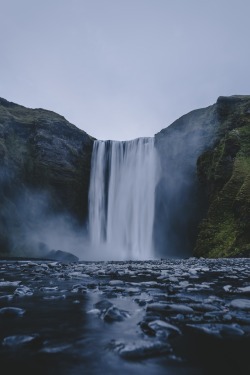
[(181, 202), (34, 228)]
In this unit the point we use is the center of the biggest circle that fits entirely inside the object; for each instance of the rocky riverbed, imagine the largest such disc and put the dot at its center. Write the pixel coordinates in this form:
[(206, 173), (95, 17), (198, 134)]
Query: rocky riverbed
[(172, 317)]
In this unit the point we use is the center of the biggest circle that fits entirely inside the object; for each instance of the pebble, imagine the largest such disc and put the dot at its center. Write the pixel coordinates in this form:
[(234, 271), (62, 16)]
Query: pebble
[(241, 304), (20, 340), (11, 312), (113, 314), (144, 349), (161, 325), (218, 330), (245, 289), (9, 283), (23, 291), (116, 282)]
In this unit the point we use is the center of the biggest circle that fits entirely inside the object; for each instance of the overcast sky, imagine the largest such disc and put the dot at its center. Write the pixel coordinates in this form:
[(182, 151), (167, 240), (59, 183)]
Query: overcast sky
[(120, 69)]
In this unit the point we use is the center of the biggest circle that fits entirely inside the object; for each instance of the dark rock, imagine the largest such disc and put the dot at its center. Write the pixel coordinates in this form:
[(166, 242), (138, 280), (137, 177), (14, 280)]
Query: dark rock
[(218, 330), (22, 340), (113, 314), (240, 304), (62, 256), (11, 312), (103, 305), (44, 169), (144, 349)]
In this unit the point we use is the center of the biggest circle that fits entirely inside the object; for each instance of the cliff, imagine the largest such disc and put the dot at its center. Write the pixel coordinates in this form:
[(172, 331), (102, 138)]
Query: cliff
[(45, 162), (180, 199), (224, 172), (203, 198)]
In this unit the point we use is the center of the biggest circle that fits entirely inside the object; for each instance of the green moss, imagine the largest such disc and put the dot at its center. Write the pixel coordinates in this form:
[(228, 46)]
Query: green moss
[(225, 173)]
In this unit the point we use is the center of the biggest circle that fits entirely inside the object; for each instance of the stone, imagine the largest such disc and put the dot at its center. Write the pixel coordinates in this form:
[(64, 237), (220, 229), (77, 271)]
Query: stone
[(113, 314), (23, 291), (20, 340), (160, 326), (11, 312), (241, 304), (144, 349)]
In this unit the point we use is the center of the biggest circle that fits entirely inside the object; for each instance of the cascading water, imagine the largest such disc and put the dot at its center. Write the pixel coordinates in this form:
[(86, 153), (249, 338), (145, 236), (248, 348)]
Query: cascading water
[(122, 198)]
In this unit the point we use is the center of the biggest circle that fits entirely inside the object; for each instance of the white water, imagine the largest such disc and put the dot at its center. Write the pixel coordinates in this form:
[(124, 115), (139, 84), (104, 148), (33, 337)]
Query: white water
[(122, 198)]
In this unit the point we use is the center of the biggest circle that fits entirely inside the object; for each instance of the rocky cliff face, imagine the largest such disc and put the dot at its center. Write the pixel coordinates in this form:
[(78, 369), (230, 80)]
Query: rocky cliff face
[(203, 198), (45, 162), (180, 200), (224, 172)]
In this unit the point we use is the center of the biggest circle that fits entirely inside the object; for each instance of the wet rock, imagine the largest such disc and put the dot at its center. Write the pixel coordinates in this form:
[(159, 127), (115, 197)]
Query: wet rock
[(55, 349), (245, 289), (49, 289), (149, 284), (227, 317), (143, 301), (184, 284), (158, 307), (203, 307), (54, 298), (179, 308), (77, 275), (11, 312), (231, 331), (9, 283), (116, 282), (21, 340), (241, 304), (217, 330), (103, 305), (96, 312), (6, 297), (113, 314), (62, 256), (227, 288), (147, 329), (23, 291), (160, 326), (133, 291), (78, 288), (144, 349)]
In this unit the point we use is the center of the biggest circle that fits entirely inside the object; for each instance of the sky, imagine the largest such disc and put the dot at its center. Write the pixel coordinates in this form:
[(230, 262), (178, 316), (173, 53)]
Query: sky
[(122, 69)]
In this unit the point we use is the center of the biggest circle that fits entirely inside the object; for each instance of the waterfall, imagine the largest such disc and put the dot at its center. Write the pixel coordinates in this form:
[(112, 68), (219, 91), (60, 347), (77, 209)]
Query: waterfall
[(122, 198)]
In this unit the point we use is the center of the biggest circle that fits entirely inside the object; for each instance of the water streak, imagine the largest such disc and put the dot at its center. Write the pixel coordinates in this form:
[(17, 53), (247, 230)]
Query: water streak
[(122, 198)]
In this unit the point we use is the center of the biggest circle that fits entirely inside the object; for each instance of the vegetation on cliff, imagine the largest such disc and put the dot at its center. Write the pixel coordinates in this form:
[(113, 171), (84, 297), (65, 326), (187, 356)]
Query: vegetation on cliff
[(224, 171)]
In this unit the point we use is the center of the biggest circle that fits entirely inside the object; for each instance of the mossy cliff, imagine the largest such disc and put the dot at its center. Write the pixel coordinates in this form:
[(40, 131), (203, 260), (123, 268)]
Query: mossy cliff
[(40, 153), (224, 172)]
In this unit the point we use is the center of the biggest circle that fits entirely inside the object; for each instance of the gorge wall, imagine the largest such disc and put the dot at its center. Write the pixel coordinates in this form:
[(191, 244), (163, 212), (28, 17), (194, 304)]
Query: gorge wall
[(44, 172), (202, 198), (224, 172)]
